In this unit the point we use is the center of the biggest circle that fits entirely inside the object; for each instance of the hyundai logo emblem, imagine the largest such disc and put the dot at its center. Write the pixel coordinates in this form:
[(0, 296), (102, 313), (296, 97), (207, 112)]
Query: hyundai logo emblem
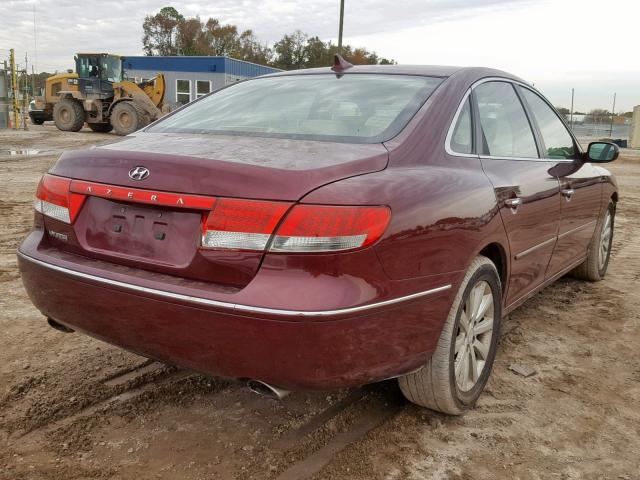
[(138, 173)]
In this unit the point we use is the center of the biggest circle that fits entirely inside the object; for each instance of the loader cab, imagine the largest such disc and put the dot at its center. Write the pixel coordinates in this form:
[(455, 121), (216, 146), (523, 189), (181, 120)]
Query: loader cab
[(96, 74)]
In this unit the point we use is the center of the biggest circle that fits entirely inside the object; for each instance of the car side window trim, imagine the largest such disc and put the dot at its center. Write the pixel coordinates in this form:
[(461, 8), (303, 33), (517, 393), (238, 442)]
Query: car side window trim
[(449, 137), (576, 144), (474, 115)]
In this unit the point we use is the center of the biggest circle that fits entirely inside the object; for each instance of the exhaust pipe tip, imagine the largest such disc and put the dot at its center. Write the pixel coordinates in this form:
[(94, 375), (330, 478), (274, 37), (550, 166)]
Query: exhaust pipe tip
[(266, 390), (58, 326)]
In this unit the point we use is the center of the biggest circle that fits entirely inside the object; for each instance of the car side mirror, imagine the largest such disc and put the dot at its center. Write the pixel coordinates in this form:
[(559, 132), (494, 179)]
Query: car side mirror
[(602, 152)]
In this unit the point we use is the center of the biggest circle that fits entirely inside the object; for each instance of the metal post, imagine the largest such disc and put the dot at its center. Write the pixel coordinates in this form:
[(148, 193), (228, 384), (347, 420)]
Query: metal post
[(25, 97), (14, 90), (33, 81), (340, 29), (613, 110), (571, 113)]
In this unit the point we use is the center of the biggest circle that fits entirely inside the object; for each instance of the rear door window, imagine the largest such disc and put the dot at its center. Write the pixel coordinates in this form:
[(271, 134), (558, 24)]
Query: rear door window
[(557, 139), (504, 124)]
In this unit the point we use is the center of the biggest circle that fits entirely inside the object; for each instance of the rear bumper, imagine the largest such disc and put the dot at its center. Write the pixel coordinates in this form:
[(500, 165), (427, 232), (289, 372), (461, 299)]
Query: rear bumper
[(287, 348)]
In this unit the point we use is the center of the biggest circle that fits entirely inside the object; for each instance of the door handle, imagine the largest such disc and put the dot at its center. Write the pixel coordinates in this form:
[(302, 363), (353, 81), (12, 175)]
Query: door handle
[(567, 193), (513, 203)]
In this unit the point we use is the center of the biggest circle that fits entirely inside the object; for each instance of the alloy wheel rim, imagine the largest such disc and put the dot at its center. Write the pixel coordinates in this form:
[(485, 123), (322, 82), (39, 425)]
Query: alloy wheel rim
[(605, 241), (473, 339)]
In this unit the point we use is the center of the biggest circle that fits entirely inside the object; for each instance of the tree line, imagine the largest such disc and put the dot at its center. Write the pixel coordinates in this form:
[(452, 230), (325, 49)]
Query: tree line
[(596, 115), (168, 33)]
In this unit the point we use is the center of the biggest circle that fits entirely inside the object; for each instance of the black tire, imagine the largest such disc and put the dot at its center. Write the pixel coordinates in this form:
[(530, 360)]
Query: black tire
[(593, 269), (100, 127), (127, 117), (68, 115), (435, 385), (37, 121)]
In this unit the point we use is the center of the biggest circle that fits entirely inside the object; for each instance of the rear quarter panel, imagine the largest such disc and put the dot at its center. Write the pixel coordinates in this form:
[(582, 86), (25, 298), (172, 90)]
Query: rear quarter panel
[(442, 216)]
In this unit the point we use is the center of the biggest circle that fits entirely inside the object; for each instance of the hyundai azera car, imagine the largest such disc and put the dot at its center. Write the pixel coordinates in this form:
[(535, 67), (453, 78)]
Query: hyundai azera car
[(325, 228)]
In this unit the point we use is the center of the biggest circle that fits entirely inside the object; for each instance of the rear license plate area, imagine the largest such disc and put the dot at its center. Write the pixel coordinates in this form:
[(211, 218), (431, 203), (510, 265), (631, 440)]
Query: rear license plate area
[(141, 232)]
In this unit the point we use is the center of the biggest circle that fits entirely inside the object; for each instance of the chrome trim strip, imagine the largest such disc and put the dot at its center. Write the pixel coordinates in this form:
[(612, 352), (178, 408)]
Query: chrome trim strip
[(574, 230), (546, 242), (526, 159), (233, 306), (534, 248)]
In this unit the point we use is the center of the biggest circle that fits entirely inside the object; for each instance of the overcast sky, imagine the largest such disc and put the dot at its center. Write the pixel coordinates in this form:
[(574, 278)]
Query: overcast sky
[(591, 45)]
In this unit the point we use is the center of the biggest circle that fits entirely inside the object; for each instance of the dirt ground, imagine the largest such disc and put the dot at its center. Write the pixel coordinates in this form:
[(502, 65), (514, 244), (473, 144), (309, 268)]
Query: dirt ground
[(72, 407)]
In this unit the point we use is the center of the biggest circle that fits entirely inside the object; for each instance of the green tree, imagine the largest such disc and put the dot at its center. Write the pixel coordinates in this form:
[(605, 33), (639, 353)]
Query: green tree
[(160, 32), (598, 115), (170, 33), (291, 51), (251, 50)]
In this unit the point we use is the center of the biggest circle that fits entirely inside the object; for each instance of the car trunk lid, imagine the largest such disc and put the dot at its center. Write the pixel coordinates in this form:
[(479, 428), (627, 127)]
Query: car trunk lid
[(224, 165), (121, 221)]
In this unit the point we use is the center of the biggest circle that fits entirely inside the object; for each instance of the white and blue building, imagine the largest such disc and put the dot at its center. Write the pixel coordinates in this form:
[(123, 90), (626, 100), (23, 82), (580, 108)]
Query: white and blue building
[(188, 78)]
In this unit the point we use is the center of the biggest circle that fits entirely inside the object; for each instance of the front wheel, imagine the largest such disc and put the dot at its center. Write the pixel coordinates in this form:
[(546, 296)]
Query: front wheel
[(453, 378), (594, 268), (127, 117)]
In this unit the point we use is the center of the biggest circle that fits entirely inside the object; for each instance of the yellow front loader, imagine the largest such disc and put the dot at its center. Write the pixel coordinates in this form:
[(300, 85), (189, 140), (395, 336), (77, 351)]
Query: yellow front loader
[(97, 94)]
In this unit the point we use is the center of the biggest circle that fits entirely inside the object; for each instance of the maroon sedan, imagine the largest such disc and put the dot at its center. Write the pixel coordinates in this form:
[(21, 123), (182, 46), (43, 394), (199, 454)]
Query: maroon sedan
[(325, 228)]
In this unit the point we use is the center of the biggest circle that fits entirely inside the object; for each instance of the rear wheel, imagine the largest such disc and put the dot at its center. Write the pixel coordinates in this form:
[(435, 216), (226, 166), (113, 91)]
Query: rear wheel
[(594, 268), (453, 378), (37, 121), (100, 127), (68, 115), (127, 117)]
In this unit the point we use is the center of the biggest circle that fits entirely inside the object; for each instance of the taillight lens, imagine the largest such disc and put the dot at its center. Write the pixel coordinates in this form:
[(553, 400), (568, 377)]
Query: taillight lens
[(242, 224), (54, 199), (323, 228), (249, 225)]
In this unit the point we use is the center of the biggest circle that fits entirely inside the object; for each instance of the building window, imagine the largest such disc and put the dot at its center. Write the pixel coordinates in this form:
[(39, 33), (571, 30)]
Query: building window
[(183, 91), (202, 87)]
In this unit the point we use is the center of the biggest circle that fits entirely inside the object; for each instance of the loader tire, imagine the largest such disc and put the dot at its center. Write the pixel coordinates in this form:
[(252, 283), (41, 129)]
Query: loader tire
[(68, 115), (127, 117)]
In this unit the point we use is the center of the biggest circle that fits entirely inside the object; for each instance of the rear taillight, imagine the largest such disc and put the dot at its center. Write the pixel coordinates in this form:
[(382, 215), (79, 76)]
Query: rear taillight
[(323, 228), (249, 225), (242, 224), (54, 199)]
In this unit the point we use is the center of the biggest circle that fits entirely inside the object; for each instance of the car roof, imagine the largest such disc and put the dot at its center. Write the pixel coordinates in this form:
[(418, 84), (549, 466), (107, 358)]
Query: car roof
[(442, 71), (426, 70)]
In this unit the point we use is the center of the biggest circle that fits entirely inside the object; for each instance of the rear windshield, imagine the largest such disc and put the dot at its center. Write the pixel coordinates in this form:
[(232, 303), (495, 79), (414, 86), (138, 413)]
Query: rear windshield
[(357, 108)]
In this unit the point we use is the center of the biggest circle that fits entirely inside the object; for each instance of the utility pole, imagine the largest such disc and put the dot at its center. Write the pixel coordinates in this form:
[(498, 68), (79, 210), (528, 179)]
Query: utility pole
[(613, 110), (35, 41), (25, 97), (33, 82), (340, 29), (571, 113), (14, 90)]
